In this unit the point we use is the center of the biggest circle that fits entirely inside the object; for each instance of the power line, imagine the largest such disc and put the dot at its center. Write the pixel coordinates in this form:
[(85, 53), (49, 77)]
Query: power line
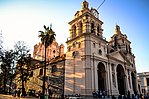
[(101, 4)]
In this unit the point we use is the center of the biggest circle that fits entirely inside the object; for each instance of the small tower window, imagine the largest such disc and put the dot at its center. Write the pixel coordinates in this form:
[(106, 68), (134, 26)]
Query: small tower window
[(80, 28), (74, 45), (74, 31), (92, 27), (98, 29), (79, 45), (69, 48)]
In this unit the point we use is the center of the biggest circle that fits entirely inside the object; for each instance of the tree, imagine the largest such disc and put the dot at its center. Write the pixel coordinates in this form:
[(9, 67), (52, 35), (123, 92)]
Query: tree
[(47, 37), (23, 63), (7, 59)]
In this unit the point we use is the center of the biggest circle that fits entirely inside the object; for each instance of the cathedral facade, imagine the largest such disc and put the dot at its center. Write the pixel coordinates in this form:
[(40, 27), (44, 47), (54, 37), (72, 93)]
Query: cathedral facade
[(93, 63)]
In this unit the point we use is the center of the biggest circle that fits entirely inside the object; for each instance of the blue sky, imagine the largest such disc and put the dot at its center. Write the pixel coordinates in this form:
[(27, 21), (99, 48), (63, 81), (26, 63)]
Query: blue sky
[(22, 19)]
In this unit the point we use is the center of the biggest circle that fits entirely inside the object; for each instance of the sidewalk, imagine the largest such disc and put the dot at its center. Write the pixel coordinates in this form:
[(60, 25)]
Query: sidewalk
[(2, 96)]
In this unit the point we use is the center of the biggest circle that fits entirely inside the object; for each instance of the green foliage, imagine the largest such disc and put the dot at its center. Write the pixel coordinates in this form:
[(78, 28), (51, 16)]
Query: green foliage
[(23, 63), (47, 36), (7, 63)]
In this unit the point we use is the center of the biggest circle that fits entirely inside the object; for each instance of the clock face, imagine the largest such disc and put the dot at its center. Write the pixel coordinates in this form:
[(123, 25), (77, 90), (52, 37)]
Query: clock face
[(95, 13)]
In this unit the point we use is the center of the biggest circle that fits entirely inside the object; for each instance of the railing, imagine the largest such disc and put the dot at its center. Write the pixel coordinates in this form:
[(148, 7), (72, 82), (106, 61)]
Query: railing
[(102, 37)]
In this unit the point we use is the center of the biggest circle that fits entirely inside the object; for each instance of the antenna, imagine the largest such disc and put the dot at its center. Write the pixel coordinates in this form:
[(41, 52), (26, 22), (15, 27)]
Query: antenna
[(101, 4)]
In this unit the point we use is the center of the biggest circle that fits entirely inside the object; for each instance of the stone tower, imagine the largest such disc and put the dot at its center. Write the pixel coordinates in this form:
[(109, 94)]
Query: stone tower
[(86, 41), (92, 63)]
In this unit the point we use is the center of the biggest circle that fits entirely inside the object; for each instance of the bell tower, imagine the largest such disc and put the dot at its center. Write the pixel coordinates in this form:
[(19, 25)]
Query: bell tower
[(85, 42), (120, 41)]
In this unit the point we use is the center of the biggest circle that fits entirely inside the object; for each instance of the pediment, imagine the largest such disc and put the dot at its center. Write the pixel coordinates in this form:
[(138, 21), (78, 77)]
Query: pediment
[(117, 56)]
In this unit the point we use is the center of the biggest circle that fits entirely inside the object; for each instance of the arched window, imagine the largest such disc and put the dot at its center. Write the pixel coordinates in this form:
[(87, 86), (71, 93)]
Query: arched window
[(100, 52), (94, 45), (98, 29), (81, 28), (31, 74), (92, 27), (73, 31), (41, 72), (54, 69)]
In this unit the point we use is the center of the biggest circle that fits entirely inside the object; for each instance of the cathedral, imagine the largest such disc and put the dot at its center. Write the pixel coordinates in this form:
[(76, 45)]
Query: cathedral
[(93, 63)]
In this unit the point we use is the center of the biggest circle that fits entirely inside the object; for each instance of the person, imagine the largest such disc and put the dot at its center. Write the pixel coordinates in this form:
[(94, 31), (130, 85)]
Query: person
[(40, 94), (15, 93), (133, 97), (18, 93), (128, 94), (113, 97), (119, 97), (94, 94), (62, 96), (104, 94)]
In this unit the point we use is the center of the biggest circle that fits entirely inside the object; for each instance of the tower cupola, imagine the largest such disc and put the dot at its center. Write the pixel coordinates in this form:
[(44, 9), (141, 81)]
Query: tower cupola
[(85, 5), (117, 29)]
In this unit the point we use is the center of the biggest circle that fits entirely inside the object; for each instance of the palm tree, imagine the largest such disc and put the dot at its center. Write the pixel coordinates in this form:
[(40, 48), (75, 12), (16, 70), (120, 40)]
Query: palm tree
[(47, 37)]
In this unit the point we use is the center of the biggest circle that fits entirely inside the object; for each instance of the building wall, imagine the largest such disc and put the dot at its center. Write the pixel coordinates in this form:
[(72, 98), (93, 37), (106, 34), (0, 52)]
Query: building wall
[(144, 83)]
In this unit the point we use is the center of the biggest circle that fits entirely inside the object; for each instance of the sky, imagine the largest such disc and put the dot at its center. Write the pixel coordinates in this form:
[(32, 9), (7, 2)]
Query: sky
[(20, 20)]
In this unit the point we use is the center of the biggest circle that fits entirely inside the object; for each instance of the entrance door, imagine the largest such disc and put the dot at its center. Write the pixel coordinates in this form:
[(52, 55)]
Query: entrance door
[(101, 77), (121, 79)]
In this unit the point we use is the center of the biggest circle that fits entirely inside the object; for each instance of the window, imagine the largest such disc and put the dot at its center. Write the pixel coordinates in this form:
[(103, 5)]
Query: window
[(100, 52), (94, 45), (81, 28), (31, 74), (92, 27), (69, 48), (99, 45), (41, 72), (74, 45), (98, 29), (79, 45), (74, 31), (54, 69)]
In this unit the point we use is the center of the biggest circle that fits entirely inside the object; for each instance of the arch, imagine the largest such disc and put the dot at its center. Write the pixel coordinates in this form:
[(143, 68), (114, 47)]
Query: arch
[(80, 27), (121, 79), (98, 30), (134, 85), (101, 77), (92, 27), (73, 31)]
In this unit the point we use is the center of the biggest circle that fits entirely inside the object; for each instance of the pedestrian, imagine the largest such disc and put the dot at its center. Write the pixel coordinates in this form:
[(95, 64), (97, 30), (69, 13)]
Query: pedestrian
[(128, 94), (15, 93), (19, 92), (94, 94), (113, 97)]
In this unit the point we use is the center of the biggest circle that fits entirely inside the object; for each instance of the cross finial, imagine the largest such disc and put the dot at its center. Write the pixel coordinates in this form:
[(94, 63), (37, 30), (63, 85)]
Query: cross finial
[(51, 25)]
